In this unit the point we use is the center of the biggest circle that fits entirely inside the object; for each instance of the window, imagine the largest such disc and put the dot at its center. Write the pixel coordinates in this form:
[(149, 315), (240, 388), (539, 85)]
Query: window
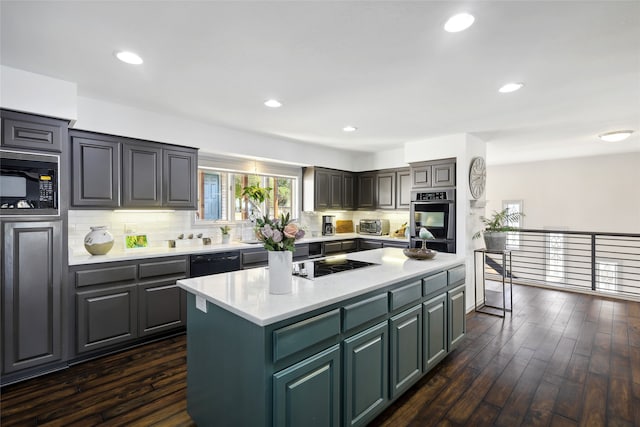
[(220, 195), (607, 274), (513, 238), (555, 257)]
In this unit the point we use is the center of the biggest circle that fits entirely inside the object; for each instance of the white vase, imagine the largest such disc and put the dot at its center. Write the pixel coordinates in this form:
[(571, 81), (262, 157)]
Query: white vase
[(280, 272), (98, 241)]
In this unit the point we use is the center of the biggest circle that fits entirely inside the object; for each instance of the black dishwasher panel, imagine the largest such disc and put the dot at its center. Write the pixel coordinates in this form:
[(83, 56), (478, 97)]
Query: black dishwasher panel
[(214, 263)]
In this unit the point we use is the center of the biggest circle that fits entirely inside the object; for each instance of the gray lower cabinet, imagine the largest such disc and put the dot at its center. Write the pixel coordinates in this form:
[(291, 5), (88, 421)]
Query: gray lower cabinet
[(366, 375), (339, 246), (435, 331), (406, 349), (32, 280), (162, 306), (117, 303), (366, 245), (106, 317), (308, 393), (457, 317)]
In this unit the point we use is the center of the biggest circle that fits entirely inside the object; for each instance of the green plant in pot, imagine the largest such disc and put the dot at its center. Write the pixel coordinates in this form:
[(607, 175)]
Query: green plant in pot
[(256, 195), (496, 229), (225, 233)]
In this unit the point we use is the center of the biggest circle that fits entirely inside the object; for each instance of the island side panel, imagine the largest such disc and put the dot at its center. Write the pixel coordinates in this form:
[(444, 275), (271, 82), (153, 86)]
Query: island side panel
[(226, 360)]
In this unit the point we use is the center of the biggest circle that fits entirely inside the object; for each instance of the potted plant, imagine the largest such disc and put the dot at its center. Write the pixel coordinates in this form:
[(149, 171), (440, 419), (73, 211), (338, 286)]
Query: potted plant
[(256, 195), (496, 229), (225, 233)]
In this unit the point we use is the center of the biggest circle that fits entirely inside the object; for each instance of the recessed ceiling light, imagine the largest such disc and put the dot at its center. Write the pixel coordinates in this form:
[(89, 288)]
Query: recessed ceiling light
[(619, 135), (273, 103), (349, 128), (459, 22), (129, 57), (510, 87)]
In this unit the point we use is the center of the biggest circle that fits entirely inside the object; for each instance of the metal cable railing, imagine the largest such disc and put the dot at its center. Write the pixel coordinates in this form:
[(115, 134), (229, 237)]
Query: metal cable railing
[(607, 263)]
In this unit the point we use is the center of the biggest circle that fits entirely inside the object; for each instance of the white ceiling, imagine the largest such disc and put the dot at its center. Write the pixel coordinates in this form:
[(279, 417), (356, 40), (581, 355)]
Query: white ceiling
[(386, 67)]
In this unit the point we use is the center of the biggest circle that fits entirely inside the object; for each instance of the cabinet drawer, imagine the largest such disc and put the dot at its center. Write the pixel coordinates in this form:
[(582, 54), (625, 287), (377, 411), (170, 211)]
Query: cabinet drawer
[(349, 245), (301, 335), (365, 245), (405, 295), (165, 268), (102, 276), (301, 251), (33, 132), (254, 257), (331, 247), (364, 311), (434, 283), (456, 275)]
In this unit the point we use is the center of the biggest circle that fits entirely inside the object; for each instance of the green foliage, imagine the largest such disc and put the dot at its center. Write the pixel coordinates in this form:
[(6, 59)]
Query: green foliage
[(225, 230), (498, 222), (256, 194)]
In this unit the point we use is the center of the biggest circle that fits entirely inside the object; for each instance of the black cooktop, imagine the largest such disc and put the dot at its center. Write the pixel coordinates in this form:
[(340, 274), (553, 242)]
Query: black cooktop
[(323, 267)]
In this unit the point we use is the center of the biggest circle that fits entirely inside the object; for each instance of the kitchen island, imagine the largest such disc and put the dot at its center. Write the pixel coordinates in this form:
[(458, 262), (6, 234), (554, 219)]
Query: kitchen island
[(336, 351)]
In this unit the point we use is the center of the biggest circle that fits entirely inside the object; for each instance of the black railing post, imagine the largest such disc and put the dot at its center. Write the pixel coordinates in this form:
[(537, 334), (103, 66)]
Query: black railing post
[(593, 262)]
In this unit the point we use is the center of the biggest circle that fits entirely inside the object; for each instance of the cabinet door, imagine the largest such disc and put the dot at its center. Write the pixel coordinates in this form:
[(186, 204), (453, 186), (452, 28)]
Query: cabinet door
[(366, 375), (386, 190), (308, 393), (406, 349), (106, 317), (457, 316), (31, 294), (401, 245), (96, 172), (31, 132), (403, 192), (322, 189), (162, 306), (335, 193), (366, 191), (435, 331), (179, 178), (141, 175), (444, 175), (332, 247), (421, 176), (348, 193)]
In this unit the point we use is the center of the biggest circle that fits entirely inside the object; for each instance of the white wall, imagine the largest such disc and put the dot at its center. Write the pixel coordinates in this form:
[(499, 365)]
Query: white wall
[(35, 93), (599, 193)]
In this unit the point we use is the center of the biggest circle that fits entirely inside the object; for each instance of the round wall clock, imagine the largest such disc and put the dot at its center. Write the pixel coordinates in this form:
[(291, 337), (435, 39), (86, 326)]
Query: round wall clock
[(477, 177)]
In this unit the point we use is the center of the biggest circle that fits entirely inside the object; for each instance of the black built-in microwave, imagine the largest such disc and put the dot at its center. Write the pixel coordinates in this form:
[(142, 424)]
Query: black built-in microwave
[(28, 183)]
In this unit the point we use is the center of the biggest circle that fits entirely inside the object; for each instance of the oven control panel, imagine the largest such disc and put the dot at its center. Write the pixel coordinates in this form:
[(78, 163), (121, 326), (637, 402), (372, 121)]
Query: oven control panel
[(429, 196)]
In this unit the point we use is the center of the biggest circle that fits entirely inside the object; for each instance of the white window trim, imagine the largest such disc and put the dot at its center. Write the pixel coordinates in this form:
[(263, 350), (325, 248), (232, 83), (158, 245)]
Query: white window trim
[(513, 238)]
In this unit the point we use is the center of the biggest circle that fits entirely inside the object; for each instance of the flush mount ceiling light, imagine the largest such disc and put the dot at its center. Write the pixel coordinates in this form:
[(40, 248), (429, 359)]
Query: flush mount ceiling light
[(349, 128), (619, 135), (273, 103), (459, 22), (128, 57), (510, 87)]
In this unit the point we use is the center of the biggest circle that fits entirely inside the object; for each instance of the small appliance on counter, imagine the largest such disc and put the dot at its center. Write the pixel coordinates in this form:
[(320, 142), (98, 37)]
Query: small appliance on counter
[(377, 227), (328, 225)]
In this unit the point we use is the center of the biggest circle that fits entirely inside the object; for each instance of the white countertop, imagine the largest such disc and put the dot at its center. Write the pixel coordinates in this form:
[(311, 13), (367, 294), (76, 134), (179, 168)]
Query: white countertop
[(246, 292), (157, 252)]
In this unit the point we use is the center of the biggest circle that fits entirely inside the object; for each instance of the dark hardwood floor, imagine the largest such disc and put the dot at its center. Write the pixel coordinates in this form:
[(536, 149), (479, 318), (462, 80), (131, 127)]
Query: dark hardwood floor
[(562, 359)]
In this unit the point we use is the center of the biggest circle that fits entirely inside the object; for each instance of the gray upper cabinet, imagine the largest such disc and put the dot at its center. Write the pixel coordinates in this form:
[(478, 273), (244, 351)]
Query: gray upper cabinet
[(437, 173), (386, 190), (335, 193), (367, 190), (26, 131), (403, 189), (31, 294), (142, 175), (112, 172), (96, 171), (180, 176), (322, 189), (348, 190)]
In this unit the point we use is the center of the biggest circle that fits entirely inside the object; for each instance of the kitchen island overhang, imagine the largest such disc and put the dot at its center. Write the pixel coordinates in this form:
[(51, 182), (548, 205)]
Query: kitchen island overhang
[(245, 353)]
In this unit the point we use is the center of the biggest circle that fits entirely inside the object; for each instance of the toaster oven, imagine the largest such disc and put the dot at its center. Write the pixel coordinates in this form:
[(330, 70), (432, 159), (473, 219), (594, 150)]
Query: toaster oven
[(377, 227)]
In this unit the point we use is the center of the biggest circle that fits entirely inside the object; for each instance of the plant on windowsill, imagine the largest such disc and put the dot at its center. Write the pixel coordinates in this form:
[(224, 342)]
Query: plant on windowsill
[(225, 233), (496, 229)]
